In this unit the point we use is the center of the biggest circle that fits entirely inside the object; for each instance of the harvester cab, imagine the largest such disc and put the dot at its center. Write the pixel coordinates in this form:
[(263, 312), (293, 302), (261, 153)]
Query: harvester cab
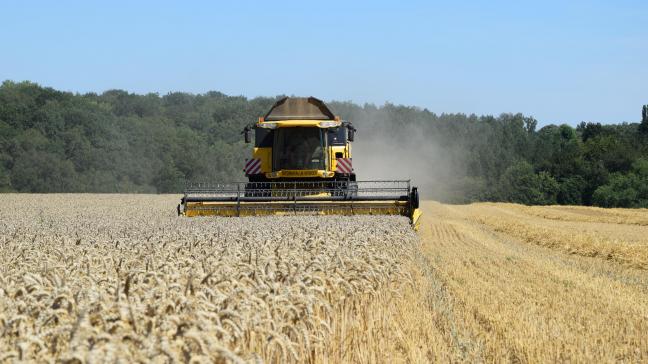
[(301, 164)]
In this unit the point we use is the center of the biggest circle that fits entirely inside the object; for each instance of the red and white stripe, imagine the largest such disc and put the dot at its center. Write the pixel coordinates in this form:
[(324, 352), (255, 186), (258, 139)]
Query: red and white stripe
[(344, 165), (252, 166)]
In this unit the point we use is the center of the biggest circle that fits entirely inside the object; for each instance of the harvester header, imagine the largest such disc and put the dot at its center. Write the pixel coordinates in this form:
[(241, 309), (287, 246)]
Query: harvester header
[(301, 164)]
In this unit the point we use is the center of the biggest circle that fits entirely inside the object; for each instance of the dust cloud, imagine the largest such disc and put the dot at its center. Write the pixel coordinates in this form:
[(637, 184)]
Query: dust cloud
[(382, 152)]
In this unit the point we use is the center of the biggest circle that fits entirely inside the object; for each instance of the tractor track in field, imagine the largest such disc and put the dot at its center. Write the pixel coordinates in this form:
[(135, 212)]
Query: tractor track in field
[(520, 302)]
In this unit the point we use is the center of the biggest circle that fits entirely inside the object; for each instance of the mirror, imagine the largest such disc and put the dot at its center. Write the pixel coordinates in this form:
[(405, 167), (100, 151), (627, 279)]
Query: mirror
[(352, 130), (247, 133)]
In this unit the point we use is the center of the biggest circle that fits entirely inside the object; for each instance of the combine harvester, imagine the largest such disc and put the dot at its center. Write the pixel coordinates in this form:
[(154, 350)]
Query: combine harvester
[(301, 164)]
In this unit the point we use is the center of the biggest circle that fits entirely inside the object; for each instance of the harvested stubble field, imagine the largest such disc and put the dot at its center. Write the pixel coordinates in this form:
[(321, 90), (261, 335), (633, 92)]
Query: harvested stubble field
[(120, 277)]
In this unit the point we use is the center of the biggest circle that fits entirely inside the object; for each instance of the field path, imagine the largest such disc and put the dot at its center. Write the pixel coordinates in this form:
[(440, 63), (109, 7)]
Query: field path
[(498, 296)]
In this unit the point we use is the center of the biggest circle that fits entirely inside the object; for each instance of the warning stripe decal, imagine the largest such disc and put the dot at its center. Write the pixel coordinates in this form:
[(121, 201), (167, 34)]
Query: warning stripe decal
[(344, 165), (247, 164), (253, 166)]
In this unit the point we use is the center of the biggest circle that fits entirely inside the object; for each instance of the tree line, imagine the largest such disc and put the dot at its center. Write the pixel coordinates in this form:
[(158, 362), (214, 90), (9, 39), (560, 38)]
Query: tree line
[(55, 141)]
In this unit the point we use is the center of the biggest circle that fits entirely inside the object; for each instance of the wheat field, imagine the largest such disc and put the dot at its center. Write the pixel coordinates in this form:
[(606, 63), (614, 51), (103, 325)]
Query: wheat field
[(120, 278)]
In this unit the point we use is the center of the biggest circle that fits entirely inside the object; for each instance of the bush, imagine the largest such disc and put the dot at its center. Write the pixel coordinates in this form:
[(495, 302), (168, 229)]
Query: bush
[(625, 190), (570, 191), (521, 184)]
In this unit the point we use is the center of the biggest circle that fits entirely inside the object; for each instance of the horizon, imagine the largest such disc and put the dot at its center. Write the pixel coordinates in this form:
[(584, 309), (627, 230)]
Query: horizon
[(559, 63), (362, 105)]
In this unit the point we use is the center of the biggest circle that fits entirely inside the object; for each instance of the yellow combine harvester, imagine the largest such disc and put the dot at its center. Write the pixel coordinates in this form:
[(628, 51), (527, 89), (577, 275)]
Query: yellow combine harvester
[(301, 164)]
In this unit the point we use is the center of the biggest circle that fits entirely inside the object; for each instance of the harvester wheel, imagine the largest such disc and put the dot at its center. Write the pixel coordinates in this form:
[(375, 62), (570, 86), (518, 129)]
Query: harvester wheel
[(414, 198)]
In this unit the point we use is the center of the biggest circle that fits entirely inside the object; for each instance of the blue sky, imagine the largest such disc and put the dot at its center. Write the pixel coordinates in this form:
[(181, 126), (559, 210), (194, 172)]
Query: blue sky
[(559, 61)]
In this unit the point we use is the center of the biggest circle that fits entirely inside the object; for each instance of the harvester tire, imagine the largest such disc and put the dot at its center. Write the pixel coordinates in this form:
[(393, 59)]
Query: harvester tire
[(414, 198)]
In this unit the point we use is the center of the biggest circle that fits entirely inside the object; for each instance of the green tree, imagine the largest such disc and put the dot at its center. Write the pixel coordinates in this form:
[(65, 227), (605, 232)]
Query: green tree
[(53, 141), (643, 127), (625, 190), (558, 151), (169, 179), (570, 191), (5, 180), (521, 184)]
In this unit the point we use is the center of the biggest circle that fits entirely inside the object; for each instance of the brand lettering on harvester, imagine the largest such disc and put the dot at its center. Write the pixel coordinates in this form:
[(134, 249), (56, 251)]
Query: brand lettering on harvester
[(299, 173)]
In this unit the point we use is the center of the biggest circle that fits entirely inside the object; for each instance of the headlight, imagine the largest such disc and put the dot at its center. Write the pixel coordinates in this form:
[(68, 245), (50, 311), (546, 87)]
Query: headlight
[(328, 124), (268, 125)]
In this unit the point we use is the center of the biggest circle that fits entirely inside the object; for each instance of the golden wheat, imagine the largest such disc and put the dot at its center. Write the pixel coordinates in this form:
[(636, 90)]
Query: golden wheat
[(89, 278), (120, 278)]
